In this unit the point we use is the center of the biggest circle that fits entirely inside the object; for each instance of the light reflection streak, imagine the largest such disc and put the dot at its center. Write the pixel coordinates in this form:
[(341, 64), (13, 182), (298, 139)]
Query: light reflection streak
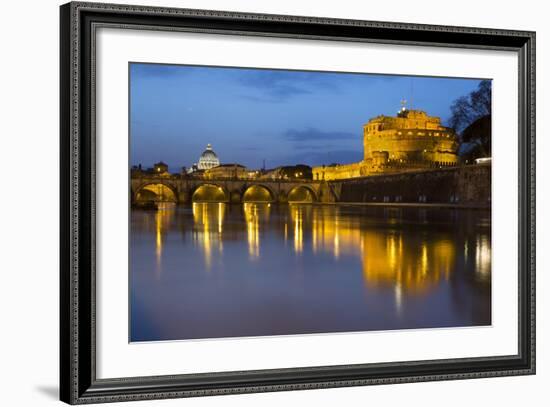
[(255, 214), (424, 260), (163, 218), (336, 240), (158, 247), (298, 220), (252, 230), (398, 298), (208, 219), (483, 256)]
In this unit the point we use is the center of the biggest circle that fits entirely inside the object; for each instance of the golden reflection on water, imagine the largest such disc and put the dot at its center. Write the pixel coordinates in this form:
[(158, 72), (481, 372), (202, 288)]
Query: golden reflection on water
[(387, 259), (413, 266), (158, 246), (252, 229), (483, 256), (305, 268), (390, 257), (163, 219), (297, 218), (208, 221)]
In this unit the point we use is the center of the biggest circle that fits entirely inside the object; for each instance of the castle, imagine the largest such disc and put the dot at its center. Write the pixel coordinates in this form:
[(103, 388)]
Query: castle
[(411, 140)]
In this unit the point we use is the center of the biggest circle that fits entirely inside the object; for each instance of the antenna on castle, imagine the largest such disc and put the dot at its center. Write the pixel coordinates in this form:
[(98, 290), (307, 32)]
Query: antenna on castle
[(412, 92), (403, 105)]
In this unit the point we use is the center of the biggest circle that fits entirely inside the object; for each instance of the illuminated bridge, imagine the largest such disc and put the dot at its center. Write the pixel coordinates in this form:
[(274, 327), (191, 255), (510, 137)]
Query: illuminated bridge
[(185, 190)]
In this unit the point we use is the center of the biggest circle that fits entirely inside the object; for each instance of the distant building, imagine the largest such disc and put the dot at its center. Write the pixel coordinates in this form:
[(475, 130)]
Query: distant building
[(196, 173), (227, 171), (193, 169), (136, 170), (160, 168), (409, 141), (288, 172)]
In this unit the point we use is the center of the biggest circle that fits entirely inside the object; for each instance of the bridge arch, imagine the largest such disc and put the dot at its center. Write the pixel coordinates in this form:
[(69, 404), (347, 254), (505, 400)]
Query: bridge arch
[(302, 193), (209, 193), (258, 193), (156, 192)]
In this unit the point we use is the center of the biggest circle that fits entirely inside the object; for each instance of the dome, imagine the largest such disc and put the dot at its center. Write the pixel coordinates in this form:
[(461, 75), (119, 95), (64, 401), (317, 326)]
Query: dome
[(208, 159), (209, 153)]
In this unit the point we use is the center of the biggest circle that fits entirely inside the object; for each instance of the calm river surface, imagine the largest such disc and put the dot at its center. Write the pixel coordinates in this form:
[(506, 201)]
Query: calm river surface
[(212, 270)]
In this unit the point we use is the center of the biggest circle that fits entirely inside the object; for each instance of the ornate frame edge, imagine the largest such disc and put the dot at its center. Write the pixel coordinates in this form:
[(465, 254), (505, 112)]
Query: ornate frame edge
[(72, 389)]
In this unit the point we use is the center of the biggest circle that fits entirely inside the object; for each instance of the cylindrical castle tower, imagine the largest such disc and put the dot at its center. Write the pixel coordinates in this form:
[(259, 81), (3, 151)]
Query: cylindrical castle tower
[(412, 139)]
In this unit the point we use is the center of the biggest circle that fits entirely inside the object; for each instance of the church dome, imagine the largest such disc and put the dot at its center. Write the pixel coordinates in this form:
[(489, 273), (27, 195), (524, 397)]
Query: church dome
[(208, 159)]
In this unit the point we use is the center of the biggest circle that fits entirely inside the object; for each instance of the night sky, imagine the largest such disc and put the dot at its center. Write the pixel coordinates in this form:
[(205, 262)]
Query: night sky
[(282, 117)]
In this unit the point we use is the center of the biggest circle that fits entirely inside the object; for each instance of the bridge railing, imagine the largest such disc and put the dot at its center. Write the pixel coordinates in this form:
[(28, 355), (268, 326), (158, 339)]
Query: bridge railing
[(160, 178)]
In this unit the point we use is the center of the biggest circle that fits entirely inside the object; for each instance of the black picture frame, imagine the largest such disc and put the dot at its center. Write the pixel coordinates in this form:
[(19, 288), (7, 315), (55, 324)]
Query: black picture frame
[(78, 382)]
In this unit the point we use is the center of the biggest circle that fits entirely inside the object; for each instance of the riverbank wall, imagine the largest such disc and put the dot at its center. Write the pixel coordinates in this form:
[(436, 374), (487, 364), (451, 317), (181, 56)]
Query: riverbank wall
[(458, 186)]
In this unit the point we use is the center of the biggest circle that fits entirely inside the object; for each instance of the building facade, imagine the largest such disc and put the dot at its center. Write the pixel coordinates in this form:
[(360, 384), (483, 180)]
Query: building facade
[(411, 140), (227, 171), (160, 168)]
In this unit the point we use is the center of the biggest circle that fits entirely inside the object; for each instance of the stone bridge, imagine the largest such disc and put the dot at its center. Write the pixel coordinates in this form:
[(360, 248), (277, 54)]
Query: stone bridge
[(182, 190)]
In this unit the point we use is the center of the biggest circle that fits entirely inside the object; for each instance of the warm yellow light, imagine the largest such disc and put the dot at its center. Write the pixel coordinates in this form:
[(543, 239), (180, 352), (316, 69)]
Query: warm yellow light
[(297, 217), (424, 260), (253, 230), (158, 246), (483, 256)]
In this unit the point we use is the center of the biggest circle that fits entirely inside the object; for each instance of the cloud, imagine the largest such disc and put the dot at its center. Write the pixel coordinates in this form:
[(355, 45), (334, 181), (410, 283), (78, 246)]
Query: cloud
[(314, 147), (275, 96), (279, 86), (311, 133)]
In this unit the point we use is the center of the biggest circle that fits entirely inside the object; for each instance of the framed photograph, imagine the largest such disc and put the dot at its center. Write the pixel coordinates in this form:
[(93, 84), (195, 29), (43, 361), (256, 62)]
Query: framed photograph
[(255, 203)]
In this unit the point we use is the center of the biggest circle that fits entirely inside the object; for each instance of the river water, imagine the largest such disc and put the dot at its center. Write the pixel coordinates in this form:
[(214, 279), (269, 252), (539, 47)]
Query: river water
[(211, 270)]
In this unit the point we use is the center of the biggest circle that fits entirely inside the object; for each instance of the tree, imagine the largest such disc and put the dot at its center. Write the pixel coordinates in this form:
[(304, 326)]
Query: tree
[(467, 109), (478, 137), (471, 119)]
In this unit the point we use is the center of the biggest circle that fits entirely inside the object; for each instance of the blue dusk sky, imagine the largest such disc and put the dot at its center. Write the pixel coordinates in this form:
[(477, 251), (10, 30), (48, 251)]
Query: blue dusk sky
[(282, 117)]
